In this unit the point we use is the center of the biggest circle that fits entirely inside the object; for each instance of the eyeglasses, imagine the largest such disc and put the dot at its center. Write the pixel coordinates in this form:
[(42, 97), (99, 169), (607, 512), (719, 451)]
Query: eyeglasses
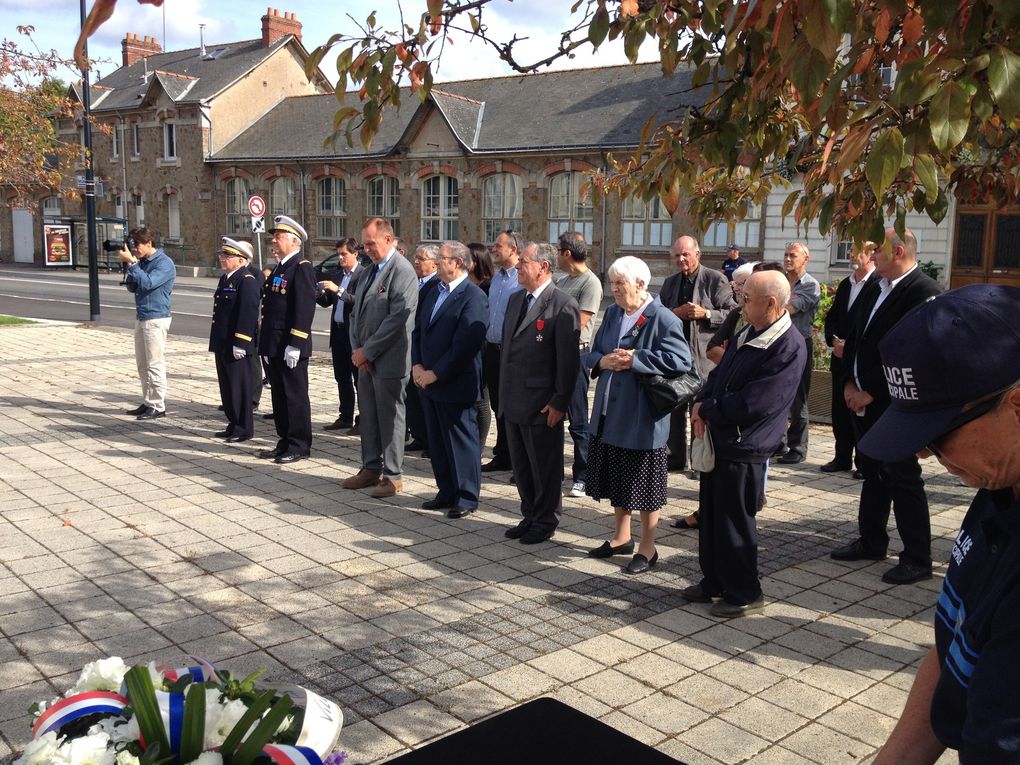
[(980, 409)]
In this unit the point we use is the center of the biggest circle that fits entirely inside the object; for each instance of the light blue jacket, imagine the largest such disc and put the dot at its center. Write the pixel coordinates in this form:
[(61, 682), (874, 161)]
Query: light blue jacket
[(659, 348), (151, 279)]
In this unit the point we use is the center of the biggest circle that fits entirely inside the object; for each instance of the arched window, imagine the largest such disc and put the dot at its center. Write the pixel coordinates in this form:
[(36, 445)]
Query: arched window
[(384, 200), (502, 204), (569, 210), (282, 197), (645, 224), (332, 208), (440, 210), (236, 205)]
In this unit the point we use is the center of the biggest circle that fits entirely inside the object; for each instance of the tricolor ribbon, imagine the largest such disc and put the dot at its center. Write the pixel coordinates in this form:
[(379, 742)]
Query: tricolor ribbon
[(199, 674), (291, 755), (79, 705), (171, 709)]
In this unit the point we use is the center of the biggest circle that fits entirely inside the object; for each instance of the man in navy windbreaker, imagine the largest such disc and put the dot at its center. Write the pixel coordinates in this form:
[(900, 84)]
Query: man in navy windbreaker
[(743, 406)]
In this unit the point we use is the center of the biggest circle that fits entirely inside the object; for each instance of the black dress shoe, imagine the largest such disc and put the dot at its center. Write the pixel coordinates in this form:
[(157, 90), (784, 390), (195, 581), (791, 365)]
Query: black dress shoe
[(696, 594), (639, 564), (286, 459), (731, 610), (791, 458), (779, 452), (460, 512), (140, 409), (495, 466), (857, 475), (150, 414), (236, 439), (606, 550), (856, 551), (436, 504), (267, 416), (906, 573), (414, 446), (223, 434), (534, 536), (268, 454), (834, 467), (219, 408), (339, 424), (517, 531)]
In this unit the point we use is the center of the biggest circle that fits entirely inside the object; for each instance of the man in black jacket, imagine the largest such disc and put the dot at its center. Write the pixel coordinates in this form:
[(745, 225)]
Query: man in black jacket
[(339, 294), (897, 484), (851, 293)]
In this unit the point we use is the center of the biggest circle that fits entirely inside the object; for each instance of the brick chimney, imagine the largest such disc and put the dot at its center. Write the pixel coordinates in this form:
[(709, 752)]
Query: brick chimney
[(276, 25), (133, 48)]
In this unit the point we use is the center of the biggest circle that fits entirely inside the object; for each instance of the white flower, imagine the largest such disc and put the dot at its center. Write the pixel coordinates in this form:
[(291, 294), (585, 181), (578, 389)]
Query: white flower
[(86, 750), (102, 675), (208, 758), (126, 758), (40, 751), (157, 677), (117, 728), (287, 722), (220, 716)]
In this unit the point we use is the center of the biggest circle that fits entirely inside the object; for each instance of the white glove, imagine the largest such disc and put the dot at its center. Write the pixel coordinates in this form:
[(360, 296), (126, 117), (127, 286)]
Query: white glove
[(291, 356), (239, 353)]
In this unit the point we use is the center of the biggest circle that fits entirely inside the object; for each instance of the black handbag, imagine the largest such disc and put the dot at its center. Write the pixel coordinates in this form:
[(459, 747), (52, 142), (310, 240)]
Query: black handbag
[(668, 393)]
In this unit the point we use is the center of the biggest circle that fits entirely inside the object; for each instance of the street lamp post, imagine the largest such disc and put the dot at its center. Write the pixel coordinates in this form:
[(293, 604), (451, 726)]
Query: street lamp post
[(90, 185)]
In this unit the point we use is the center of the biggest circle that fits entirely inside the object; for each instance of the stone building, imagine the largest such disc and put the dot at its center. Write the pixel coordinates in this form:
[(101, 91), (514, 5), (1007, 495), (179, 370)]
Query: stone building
[(192, 134)]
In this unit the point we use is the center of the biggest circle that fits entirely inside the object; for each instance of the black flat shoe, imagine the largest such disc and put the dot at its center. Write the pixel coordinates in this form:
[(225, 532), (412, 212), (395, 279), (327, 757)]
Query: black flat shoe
[(286, 459), (268, 454), (639, 564), (696, 594), (606, 550), (236, 439), (518, 531), (140, 409), (436, 504), (683, 525), (834, 467), (460, 512), (150, 414), (223, 434)]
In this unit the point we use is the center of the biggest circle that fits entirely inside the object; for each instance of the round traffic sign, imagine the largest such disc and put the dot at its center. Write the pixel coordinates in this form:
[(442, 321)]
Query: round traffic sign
[(256, 206)]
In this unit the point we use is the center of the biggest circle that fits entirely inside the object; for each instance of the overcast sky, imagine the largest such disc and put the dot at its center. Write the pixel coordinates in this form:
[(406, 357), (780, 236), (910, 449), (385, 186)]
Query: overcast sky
[(176, 25)]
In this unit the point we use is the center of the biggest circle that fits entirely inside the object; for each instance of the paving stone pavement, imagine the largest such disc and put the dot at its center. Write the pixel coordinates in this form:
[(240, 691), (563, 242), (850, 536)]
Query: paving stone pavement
[(156, 541)]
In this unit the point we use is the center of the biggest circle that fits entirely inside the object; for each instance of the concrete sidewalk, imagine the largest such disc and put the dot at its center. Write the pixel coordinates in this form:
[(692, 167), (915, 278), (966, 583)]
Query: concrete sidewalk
[(155, 541)]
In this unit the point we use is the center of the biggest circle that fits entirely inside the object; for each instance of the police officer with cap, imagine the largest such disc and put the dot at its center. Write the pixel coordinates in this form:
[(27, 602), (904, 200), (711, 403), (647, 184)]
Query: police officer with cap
[(953, 372), (232, 337), (288, 307)]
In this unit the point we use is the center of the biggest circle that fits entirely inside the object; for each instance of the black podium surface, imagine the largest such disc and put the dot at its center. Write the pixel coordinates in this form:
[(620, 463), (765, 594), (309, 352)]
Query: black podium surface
[(541, 732)]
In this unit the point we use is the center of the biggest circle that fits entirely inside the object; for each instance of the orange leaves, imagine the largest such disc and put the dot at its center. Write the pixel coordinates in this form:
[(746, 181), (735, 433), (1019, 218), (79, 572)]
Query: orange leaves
[(629, 8)]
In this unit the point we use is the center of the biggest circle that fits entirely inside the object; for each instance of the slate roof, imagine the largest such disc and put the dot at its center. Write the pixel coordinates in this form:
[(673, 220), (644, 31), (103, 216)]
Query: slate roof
[(186, 76), (574, 109)]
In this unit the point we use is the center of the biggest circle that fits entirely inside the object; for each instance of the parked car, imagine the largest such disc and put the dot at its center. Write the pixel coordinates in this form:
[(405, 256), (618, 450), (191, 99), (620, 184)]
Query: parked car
[(326, 267)]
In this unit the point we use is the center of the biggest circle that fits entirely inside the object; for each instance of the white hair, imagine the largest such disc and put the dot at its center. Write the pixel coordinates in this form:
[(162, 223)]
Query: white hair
[(744, 269), (631, 269)]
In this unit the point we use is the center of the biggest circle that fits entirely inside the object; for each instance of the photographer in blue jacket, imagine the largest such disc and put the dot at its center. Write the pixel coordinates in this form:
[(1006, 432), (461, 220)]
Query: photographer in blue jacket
[(150, 277)]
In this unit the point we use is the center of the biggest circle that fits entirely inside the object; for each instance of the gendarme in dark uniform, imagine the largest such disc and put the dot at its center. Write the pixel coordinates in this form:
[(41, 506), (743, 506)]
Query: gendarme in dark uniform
[(288, 307), (232, 338)]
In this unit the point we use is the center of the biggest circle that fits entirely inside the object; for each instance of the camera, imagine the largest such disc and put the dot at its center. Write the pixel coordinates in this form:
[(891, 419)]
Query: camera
[(116, 245)]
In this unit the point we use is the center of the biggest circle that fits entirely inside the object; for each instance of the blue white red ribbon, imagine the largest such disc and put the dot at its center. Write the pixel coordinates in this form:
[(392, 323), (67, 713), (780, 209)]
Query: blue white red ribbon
[(291, 755), (171, 709), (199, 674), (79, 705)]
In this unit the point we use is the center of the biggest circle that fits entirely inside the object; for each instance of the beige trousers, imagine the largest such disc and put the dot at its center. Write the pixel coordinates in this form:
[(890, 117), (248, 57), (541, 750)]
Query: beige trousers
[(150, 356)]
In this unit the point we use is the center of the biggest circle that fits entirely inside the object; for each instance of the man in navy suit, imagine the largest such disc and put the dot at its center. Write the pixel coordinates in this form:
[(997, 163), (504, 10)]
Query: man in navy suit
[(538, 370), (338, 294), (898, 484), (446, 353)]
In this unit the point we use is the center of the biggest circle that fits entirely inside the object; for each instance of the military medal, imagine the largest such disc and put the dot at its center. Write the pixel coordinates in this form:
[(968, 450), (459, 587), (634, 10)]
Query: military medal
[(539, 325), (637, 328)]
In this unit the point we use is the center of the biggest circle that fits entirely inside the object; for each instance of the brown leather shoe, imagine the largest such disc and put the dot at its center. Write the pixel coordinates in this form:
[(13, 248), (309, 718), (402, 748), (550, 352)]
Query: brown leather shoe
[(386, 488), (363, 479)]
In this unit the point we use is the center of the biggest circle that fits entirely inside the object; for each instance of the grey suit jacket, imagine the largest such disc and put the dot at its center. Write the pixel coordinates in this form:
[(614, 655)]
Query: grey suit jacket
[(534, 372), (384, 316), (711, 291)]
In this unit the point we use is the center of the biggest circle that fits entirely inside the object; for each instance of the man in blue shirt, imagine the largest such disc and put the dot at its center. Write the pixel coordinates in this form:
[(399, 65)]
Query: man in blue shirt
[(150, 276), (952, 367)]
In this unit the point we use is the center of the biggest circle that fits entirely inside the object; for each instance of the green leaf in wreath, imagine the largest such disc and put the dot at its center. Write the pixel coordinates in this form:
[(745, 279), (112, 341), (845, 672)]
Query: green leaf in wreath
[(263, 732), (260, 705), (142, 697), (193, 726)]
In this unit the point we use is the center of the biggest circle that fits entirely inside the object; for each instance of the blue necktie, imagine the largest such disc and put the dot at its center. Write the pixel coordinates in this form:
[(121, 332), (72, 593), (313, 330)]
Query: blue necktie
[(371, 277)]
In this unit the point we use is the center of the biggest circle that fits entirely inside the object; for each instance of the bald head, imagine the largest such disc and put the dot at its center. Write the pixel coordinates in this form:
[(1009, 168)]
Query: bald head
[(686, 254), (766, 295)]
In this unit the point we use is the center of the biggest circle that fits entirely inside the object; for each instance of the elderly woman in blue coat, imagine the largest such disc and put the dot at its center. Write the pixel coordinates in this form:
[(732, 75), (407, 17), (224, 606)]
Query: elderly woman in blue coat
[(627, 455)]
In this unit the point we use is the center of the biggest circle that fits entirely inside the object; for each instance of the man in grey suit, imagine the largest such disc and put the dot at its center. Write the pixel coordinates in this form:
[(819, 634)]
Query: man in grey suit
[(701, 297), (538, 370), (381, 340)]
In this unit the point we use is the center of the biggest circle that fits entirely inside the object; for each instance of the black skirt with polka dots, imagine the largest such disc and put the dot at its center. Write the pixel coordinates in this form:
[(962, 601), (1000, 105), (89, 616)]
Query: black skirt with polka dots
[(634, 479)]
